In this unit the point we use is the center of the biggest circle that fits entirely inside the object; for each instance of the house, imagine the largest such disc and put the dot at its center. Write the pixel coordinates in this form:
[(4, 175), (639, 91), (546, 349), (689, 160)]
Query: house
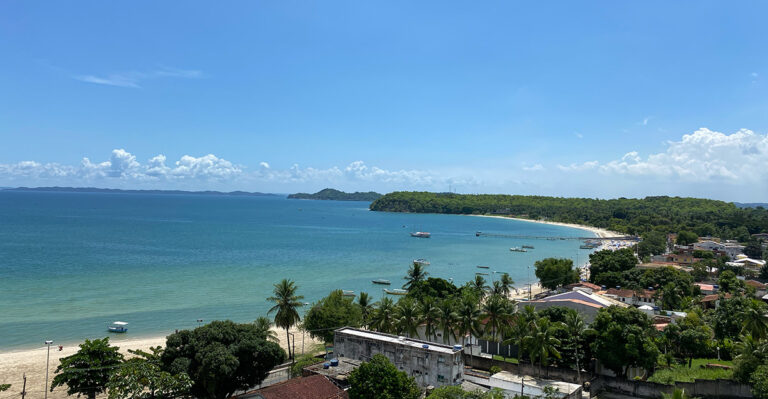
[(760, 288), (584, 286), (587, 304), (729, 248), (679, 259), (707, 289), (747, 263), (630, 297), (712, 301), (312, 387), (760, 236), (428, 362)]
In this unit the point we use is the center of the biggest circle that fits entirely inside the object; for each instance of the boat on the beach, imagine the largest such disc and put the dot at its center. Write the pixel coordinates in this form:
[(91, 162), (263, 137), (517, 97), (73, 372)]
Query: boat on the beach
[(518, 249), (421, 234), (118, 327), (421, 261), (381, 281), (528, 246), (482, 267), (395, 291), (347, 293)]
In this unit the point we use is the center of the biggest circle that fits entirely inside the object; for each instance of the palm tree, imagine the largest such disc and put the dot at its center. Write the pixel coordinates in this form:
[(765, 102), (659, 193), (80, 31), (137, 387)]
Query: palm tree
[(519, 329), (407, 317), (468, 319), (286, 305), (366, 307), (506, 284), (383, 319), (429, 316), (497, 289), (448, 318), (541, 342), (265, 328), (755, 321), (574, 325), (479, 285), (496, 311), (416, 274)]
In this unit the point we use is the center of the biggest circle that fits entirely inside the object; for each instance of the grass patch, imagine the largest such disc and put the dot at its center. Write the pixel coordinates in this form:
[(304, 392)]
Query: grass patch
[(681, 372), (503, 359)]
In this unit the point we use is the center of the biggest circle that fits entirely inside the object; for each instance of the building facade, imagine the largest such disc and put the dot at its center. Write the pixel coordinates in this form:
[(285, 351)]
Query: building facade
[(429, 363)]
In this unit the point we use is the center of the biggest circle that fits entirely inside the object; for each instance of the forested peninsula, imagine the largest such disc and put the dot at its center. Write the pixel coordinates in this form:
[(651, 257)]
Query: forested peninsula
[(626, 215), (336, 195)]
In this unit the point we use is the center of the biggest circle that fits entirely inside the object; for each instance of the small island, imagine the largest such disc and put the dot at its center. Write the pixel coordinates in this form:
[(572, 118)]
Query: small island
[(336, 195)]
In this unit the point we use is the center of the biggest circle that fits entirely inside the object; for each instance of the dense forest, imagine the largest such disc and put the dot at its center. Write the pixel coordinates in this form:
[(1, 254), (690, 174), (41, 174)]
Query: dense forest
[(626, 215), (336, 195)]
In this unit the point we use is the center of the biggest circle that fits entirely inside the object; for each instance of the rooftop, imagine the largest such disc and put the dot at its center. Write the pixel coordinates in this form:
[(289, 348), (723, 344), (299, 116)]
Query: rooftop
[(340, 372), (415, 343), (578, 297), (563, 387), (312, 387)]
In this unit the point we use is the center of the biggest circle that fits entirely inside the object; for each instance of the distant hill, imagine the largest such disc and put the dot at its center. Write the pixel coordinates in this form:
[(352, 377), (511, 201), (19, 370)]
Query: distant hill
[(119, 191), (751, 205), (336, 195)]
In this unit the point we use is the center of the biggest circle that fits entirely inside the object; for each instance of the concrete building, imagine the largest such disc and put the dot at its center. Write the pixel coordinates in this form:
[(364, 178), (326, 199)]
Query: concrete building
[(731, 249), (747, 263), (630, 297), (429, 363), (513, 384)]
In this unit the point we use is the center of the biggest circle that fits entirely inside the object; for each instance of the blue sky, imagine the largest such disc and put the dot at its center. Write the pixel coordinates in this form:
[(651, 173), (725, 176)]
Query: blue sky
[(597, 99)]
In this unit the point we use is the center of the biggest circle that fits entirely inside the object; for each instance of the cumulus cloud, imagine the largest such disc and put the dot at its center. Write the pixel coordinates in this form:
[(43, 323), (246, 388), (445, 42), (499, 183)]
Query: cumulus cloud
[(534, 168), (701, 156)]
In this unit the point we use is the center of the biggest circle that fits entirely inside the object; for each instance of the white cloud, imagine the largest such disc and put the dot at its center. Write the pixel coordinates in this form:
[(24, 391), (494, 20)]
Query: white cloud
[(534, 168), (702, 156), (133, 79)]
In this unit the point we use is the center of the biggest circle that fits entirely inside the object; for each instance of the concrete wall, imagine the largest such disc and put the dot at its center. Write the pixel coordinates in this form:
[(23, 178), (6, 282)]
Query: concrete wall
[(698, 388)]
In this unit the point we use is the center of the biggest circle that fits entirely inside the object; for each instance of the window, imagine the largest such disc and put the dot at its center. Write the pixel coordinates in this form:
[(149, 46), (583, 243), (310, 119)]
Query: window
[(440, 359), (440, 378)]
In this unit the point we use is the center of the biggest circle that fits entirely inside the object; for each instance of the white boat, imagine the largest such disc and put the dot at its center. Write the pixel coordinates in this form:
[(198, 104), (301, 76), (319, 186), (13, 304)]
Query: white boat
[(421, 234), (118, 327), (396, 291), (347, 293), (518, 249), (421, 261), (381, 281)]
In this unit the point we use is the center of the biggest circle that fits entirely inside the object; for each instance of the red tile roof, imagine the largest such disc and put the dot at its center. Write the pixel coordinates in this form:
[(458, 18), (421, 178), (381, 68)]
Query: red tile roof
[(312, 387), (756, 284), (624, 293), (593, 287), (714, 297)]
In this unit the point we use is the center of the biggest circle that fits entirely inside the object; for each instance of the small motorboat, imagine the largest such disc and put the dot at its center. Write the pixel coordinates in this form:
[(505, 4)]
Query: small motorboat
[(517, 249), (481, 274), (421, 234), (381, 281), (421, 261), (482, 267), (347, 293), (395, 291), (528, 246), (118, 327)]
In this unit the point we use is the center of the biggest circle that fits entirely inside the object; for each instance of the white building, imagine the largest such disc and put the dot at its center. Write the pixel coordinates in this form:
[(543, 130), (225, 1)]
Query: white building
[(731, 249), (747, 263)]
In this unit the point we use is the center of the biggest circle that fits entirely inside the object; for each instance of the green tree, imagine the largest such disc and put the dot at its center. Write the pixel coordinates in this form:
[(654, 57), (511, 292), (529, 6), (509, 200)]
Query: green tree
[(221, 357), (606, 261), (384, 316), (759, 380), (624, 339), (302, 362), (693, 337), (554, 272), (142, 378), (430, 315), (366, 307), (764, 271), (686, 238), (407, 317), (575, 327), (756, 320), (456, 392), (468, 323), (87, 371), (750, 354), (506, 284), (676, 394), (478, 285), (540, 343), (330, 313), (379, 378), (653, 243), (728, 282), (286, 307), (265, 327), (447, 319), (416, 274), (727, 320), (699, 271), (496, 311), (436, 288), (754, 249)]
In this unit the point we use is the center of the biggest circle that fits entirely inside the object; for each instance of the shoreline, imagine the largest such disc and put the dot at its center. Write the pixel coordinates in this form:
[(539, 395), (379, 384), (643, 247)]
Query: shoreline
[(597, 231), (15, 364)]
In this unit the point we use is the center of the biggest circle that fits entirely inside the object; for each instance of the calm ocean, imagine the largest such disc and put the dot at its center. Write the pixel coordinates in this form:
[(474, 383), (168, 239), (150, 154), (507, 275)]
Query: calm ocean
[(70, 263)]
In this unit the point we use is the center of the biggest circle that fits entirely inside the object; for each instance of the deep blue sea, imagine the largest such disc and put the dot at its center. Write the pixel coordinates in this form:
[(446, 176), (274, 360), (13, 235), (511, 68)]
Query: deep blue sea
[(70, 263)]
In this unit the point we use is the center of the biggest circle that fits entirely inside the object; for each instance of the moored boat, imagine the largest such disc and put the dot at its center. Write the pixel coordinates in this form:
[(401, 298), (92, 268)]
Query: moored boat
[(528, 246), (347, 293), (518, 249), (421, 261), (381, 281), (482, 267), (118, 327), (421, 234), (395, 291)]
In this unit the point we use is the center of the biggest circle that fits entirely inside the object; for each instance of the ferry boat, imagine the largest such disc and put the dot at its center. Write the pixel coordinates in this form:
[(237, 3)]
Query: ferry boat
[(421, 234), (395, 291), (347, 293), (381, 281), (518, 249), (118, 327), (528, 246), (421, 261)]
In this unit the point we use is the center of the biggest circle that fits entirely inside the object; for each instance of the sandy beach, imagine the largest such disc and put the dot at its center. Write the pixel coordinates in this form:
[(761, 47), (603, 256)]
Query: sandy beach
[(598, 232), (15, 364)]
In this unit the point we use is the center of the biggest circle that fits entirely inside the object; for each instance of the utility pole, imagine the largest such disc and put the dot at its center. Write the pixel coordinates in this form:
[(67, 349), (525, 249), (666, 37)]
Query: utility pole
[(47, 359)]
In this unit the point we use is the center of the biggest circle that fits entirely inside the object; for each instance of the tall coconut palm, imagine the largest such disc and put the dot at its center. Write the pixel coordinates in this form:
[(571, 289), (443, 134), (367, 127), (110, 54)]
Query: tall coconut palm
[(468, 319), (383, 319), (265, 328), (429, 317), (506, 284), (497, 289), (756, 321), (541, 342), (574, 325), (416, 274), (407, 317), (366, 307), (286, 307), (497, 313), (447, 320), (519, 326), (479, 285)]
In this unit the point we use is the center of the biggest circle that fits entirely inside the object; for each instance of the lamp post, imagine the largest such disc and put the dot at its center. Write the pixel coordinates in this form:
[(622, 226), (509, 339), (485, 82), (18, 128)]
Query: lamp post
[(47, 358)]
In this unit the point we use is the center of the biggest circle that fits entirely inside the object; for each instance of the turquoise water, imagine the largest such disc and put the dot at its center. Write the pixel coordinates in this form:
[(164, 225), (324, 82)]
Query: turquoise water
[(70, 263)]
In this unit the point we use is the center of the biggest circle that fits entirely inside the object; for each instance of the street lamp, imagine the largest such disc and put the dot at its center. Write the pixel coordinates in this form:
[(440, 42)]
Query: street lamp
[(47, 358)]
